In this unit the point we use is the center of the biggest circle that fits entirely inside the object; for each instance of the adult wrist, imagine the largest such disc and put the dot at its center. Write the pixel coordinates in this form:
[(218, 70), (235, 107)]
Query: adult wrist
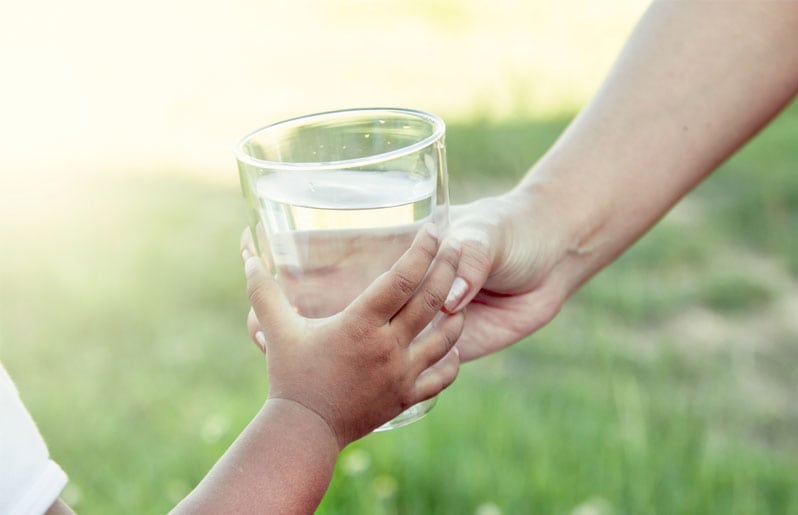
[(558, 188), (567, 215)]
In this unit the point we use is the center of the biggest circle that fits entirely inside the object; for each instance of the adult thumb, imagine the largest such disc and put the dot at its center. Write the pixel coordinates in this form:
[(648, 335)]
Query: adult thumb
[(476, 263)]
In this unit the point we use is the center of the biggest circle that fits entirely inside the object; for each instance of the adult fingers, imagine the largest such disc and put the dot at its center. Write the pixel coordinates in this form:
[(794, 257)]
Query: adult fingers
[(477, 227), (390, 291), (476, 262), (428, 300)]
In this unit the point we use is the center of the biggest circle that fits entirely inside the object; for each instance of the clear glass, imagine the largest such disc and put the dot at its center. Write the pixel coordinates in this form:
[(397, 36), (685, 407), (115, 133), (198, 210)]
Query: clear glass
[(337, 197)]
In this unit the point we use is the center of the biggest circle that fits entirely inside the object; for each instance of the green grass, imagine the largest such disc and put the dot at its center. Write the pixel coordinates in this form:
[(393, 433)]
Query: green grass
[(122, 321)]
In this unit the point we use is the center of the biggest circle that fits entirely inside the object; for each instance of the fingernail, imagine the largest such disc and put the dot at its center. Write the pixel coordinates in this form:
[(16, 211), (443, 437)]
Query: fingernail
[(245, 254), (250, 265), (261, 339), (432, 229), (455, 244), (456, 294), (456, 351)]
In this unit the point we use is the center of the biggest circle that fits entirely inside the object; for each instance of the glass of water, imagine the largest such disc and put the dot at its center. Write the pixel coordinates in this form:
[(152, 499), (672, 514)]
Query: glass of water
[(337, 197)]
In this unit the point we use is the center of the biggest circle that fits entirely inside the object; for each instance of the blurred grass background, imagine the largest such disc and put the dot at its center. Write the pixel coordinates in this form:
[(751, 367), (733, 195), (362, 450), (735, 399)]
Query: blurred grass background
[(665, 386)]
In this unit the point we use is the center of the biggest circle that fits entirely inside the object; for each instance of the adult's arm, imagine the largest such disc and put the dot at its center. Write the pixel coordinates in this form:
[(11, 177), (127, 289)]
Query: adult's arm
[(693, 83)]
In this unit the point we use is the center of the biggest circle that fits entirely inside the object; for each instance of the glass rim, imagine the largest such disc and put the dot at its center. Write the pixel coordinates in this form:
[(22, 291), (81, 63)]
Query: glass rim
[(438, 126)]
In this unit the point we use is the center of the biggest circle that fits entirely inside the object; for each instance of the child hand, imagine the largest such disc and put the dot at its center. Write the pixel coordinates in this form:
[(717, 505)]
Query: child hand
[(379, 356)]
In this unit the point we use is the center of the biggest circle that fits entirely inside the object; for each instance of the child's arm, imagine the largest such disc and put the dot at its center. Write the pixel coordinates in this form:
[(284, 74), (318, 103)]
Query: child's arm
[(334, 380)]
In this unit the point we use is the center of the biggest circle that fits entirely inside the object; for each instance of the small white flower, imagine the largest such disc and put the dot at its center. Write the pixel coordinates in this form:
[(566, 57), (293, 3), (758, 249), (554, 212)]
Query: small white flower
[(385, 486), (593, 506), (214, 428), (488, 508), (355, 462)]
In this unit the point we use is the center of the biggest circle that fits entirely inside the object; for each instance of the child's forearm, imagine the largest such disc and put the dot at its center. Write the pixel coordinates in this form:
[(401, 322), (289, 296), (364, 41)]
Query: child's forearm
[(281, 463)]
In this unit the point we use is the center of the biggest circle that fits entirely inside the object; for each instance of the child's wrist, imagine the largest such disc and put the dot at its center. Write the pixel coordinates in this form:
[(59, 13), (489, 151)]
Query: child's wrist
[(299, 417)]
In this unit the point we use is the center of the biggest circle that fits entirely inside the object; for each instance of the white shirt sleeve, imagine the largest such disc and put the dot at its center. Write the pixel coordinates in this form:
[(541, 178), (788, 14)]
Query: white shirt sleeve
[(30, 482)]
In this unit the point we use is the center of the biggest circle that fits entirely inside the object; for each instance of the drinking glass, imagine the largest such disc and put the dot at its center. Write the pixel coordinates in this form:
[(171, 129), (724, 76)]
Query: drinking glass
[(337, 197)]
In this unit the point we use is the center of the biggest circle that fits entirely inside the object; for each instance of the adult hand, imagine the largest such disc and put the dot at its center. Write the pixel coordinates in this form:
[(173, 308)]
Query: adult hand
[(512, 249)]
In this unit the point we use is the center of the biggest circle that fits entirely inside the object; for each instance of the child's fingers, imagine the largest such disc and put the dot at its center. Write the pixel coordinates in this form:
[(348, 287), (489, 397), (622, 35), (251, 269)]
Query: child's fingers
[(436, 342), (268, 302), (253, 325), (247, 245), (390, 291), (429, 299), (255, 331), (437, 377)]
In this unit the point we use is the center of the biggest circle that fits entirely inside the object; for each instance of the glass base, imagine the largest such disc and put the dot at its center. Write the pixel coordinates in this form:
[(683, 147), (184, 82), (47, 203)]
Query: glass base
[(408, 416)]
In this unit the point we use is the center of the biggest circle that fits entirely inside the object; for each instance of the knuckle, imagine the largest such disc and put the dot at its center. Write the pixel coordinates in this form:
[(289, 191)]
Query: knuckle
[(475, 258), (453, 329), (358, 328), (451, 257), (448, 334), (457, 323), (257, 292), (433, 300), (447, 341), (399, 341), (427, 249), (475, 255), (404, 283)]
